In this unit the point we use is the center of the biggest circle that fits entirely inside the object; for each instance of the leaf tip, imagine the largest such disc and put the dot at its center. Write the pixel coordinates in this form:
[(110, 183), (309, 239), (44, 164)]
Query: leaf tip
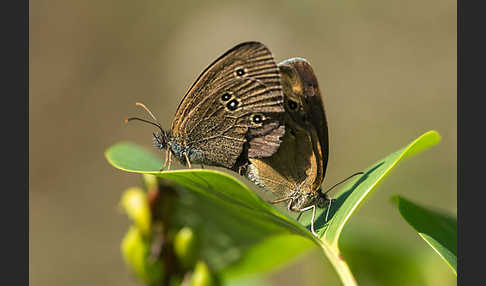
[(434, 136)]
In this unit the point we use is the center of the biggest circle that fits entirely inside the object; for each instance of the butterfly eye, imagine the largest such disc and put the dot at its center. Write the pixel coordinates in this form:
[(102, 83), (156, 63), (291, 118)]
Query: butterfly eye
[(226, 96), (240, 72), (232, 105), (292, 105)]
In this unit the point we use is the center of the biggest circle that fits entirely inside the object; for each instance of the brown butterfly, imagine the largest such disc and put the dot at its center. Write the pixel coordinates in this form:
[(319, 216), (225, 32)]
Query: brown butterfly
[(232, 112), (296, 171)]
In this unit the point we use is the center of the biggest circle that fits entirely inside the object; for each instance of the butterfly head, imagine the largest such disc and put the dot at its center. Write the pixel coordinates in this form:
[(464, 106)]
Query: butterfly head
[(160, 140), (321, 199), (301, 200)]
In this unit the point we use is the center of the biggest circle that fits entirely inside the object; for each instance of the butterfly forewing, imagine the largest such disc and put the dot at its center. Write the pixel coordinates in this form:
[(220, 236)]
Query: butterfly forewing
[(228, 122), (253, 58), (236, 103)]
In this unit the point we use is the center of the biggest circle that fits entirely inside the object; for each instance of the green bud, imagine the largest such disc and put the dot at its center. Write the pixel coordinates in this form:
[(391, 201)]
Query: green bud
[(186, 247), (202, 275), (134, 202), (136, 253)]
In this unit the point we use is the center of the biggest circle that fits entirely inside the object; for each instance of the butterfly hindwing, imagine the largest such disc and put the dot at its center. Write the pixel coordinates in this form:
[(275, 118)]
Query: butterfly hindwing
[(297, 169), (315, 106)]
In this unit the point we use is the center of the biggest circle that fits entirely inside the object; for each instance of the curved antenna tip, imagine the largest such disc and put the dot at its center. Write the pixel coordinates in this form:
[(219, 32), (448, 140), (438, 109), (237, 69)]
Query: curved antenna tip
[(148, 111)]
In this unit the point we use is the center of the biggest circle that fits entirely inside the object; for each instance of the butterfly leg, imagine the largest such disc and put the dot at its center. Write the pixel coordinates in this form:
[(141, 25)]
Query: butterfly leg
[(166, 159), (280, 200), (290, 203), (313, 207), (298, 217), (170, 161), (290, 199), (187, 161), (328, 208), (243, 169)]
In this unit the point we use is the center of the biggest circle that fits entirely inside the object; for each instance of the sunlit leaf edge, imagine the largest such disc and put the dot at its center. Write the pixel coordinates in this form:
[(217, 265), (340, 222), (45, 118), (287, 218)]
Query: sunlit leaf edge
[(334, 227), (443, 251)]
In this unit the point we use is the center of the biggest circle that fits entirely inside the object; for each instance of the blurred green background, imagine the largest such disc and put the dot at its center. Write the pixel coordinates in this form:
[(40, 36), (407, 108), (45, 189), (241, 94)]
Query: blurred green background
[(387, 71)]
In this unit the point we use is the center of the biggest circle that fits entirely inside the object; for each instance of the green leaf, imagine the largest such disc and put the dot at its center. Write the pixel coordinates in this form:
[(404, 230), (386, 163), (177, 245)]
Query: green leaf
[(132, 158), (252, 263), (358, 189), (379, 257), (239, 230), (235, 220), (439, 230)]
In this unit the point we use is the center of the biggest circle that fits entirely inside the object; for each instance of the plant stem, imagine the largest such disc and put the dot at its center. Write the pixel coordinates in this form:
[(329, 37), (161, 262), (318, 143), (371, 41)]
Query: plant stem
[(339, 264)]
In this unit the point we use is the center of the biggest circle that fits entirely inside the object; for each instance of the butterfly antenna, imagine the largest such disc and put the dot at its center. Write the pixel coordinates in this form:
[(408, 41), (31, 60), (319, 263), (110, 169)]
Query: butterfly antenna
[(355, 174), (146, 121), (156, 123), (148, 110)]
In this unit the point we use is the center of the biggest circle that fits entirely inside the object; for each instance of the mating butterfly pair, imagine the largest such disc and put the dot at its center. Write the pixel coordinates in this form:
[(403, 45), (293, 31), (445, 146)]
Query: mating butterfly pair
[(260, 119)]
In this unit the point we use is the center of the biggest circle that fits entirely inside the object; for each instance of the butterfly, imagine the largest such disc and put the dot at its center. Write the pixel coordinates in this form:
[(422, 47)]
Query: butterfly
[(232, 112), (296, 171)]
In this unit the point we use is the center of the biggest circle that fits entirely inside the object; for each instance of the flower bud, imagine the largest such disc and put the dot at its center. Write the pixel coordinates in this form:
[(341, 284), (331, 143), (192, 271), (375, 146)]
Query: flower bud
[(136, 253), (202, 276), (186, 247), (134, 202)]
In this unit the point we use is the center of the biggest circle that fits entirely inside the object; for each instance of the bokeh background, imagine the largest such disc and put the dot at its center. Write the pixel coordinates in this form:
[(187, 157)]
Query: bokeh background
[(387, 71)]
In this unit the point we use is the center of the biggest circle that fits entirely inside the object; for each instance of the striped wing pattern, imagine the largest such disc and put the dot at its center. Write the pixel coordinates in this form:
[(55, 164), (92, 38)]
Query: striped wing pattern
[(249, 74)]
